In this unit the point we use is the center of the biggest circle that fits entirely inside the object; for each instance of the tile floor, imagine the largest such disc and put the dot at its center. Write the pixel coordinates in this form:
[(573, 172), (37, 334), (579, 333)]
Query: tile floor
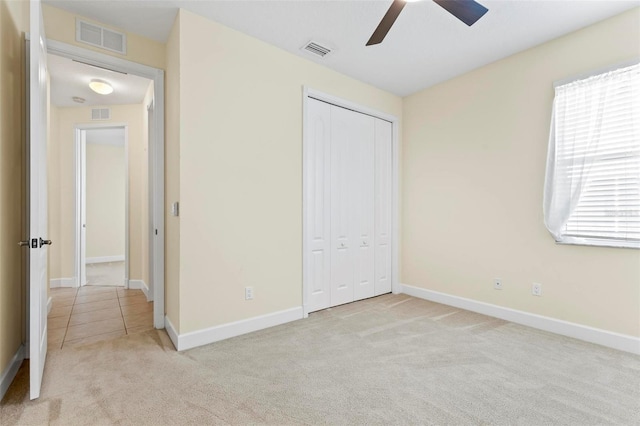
[(94, 313)]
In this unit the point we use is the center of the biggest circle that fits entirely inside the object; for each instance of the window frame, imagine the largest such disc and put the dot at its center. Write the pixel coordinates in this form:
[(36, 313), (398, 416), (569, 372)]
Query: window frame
[(584, 240)]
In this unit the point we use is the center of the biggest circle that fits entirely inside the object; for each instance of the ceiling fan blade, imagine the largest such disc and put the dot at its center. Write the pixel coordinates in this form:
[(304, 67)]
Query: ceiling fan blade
[(387, 21), (468, 11)]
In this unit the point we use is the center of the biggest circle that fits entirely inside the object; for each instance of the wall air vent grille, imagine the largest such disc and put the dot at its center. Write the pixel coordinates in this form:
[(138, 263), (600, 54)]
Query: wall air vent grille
[(316, 49), (100, 113), (98, 36)]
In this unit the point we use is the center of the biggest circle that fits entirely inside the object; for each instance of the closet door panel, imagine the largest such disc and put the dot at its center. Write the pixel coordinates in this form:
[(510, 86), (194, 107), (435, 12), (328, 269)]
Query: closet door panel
[(383, 205), (363, 209), (319, 206), (342, 233)]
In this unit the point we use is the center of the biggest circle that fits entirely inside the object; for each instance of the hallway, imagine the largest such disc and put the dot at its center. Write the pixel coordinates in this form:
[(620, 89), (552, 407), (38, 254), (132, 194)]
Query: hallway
[(95, 313)]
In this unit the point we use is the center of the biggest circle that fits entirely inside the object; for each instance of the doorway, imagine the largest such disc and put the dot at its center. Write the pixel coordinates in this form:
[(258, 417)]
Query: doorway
[(152, 236), (102, 194), (350, 202)]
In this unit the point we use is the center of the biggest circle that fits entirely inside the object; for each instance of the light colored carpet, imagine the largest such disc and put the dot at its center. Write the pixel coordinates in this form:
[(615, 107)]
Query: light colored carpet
[(105, 274), (389, 360)]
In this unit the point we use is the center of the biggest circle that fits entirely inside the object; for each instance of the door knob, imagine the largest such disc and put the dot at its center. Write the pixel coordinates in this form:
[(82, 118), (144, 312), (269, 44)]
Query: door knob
[(24, 243), (43, 242)]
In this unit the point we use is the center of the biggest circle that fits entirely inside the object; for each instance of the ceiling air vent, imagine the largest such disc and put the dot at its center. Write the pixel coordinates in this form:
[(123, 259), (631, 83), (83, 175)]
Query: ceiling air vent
[(316, 49), (100, 113), (98, 36)]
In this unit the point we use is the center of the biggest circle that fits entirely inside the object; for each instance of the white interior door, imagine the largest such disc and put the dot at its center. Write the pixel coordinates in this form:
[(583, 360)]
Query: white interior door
[(37, 186), (319, 205), (383, 206), (343, 235), (352, 205), (363, 201)]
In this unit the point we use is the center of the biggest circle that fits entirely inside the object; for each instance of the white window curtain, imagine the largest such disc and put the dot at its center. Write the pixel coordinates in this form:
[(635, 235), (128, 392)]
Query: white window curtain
[(592, 185)]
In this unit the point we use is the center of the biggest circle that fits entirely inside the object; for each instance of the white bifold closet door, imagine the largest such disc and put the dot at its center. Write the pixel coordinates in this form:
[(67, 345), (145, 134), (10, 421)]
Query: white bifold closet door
[(349, 206)]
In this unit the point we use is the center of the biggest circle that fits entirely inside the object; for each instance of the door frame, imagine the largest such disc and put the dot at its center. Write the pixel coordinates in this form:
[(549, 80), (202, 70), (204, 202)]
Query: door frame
[(81, 197), (156, 157), (307, 179)]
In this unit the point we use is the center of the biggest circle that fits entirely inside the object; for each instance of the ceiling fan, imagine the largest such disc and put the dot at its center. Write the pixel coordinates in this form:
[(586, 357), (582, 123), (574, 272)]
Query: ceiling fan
[(468, 11)]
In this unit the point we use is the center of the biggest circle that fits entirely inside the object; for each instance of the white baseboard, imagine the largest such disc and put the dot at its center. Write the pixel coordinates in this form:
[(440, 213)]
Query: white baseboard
[(49, 304), (140, 285), (62, 282), (171, 331), (225, 331), (10, 372), (598, 336), (105, 259)]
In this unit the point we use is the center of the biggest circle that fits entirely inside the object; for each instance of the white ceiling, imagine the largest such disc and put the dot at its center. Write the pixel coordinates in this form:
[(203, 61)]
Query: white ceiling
[(426, 45), (70, 78)]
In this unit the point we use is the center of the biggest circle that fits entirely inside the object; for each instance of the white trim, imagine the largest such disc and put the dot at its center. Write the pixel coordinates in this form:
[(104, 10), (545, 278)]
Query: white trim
[(598, 336), (156, 191), (105, 259), (597, 71), (140, 285), (80, 265), (49, 304), (395, 209), (80, 131), (306, 165), (102, 60), (171, 331), (63, 282), (205, 336), (10, 372), (598, 242), (335, 100), (127, 213), (156, 140)]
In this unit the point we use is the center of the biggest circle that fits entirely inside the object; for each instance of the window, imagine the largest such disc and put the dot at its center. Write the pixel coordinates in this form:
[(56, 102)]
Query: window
[(592, 186)]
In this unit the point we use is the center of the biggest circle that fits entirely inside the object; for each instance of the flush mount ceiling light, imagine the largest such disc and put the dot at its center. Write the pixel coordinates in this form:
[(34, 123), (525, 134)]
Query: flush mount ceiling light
[(101, 87)]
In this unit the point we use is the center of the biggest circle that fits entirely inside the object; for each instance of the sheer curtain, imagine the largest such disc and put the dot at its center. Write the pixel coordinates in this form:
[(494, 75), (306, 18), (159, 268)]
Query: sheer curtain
[(593, 163)]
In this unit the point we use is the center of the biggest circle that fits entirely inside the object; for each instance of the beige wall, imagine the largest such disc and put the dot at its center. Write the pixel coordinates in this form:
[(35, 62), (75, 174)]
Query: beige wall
[(474, 152), (54, 210), (14, 18), (62, 186), (240, 153), (60, 25), (105, 200)]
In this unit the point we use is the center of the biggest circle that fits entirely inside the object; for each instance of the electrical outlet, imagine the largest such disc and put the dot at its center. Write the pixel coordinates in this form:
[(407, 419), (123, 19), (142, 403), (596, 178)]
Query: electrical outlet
[(248, 293), (536, 289), (497, 284)]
